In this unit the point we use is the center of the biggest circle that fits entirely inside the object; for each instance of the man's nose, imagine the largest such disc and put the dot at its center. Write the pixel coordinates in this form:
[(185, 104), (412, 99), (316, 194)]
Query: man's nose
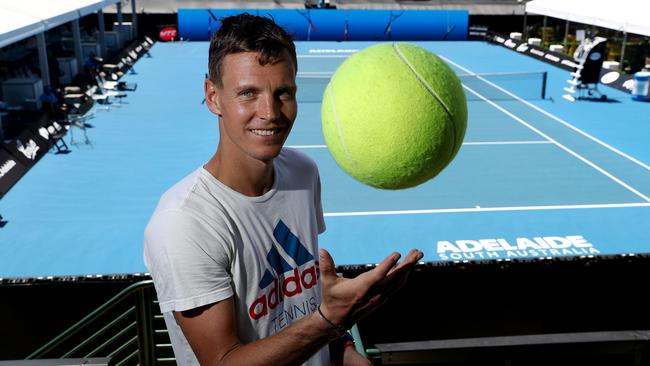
[(269, 107)]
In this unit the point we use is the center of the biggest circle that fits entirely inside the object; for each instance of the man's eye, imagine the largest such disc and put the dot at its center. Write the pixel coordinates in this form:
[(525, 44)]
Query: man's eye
[(247, 93)]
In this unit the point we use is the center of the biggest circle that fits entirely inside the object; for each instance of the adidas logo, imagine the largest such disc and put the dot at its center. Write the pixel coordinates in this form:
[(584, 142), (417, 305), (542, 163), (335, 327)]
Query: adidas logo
[(278, 283)]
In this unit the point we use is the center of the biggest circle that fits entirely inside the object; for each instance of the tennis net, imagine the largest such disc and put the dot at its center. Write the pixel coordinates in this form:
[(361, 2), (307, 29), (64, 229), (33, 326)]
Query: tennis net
[(491, 86)]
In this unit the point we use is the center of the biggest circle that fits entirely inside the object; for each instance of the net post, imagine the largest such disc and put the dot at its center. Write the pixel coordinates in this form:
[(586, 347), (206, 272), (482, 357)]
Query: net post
[(545, 75)]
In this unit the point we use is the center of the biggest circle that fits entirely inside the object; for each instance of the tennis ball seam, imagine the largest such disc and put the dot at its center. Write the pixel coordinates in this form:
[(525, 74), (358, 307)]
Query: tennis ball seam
[(421, 79), (338, 125), (403, 58)]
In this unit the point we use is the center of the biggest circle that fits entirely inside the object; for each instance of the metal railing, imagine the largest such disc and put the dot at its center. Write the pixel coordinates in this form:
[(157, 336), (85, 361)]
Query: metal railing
[(128, 329)]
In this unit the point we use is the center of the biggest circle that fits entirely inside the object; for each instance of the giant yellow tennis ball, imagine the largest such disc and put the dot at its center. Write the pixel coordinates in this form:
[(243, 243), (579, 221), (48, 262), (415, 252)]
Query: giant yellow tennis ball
[(394, 115)]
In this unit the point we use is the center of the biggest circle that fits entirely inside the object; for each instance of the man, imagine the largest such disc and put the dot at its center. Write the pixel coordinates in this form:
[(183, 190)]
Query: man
[(232, 247)]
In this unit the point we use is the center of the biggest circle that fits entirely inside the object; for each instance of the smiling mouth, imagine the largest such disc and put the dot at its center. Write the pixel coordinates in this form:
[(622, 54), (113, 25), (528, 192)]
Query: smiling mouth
[(266, 132)]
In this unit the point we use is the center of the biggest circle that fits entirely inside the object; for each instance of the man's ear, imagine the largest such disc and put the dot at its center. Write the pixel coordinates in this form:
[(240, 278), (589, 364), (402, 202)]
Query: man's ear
[(212, 97)]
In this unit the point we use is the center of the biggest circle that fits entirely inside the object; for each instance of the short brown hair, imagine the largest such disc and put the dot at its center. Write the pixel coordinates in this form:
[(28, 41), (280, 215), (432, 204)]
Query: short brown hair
[(248, 33)]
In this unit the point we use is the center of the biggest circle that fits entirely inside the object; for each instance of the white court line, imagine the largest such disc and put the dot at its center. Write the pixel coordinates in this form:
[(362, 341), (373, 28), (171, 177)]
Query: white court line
[(320, 77), (533, 142), (486, 209), (307, 146), (328, 73), (575, 154), (323, 75), (548, 114), (323, 56)]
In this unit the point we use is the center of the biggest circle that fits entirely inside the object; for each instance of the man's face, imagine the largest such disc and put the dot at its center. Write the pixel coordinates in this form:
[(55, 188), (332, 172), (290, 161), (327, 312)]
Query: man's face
[(256, 105)]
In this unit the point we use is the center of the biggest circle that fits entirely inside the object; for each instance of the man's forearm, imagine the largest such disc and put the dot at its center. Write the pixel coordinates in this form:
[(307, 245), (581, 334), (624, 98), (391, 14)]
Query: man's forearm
[(291, 346)]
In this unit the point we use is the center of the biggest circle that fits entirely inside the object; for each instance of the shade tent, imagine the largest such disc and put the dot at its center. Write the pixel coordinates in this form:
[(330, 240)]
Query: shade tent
[(629, 16), (15, 26), (24, 18), (52, 13), (86, 7)]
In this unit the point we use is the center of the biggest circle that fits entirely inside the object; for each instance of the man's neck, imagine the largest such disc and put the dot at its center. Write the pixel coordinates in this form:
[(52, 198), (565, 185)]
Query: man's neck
[(249, 177)]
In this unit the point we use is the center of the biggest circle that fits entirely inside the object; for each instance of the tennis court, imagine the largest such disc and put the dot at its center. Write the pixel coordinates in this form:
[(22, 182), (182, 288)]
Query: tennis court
[(536, 177)]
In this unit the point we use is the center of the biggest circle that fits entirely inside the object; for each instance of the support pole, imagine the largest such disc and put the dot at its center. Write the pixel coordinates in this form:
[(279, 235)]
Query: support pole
[(134, 20), (524, 33), (566, 36), (42, 60), (76, 33), (120, 19), (101, 36), (620, 64)]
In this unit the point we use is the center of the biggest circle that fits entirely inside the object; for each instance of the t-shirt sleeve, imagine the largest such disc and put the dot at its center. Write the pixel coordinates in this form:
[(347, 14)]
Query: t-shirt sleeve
[(189, 261), (320, 219)]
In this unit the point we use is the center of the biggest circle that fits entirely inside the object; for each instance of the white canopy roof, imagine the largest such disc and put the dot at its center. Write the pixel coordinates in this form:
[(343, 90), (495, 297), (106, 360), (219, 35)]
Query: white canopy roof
[(631, 16), (24, 18), (16, 26)]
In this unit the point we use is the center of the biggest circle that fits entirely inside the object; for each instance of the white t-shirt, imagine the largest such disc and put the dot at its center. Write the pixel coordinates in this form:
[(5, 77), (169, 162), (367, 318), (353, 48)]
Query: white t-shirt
[(206, 242)]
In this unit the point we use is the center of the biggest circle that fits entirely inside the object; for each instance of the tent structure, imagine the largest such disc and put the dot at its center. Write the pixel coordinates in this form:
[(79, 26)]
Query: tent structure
[(629, 16), (626, 16), (26, 18), (22, 19), (15, 26)]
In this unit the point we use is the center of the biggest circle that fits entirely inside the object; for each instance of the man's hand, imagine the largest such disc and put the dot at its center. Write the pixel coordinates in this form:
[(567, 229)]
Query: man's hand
[(212, 331), (353, 358), (343, 353), (345, 301)]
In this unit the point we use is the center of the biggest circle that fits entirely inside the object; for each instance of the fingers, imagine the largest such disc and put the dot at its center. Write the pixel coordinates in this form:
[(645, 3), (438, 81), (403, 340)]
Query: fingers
[(412, 258), (397, 276), (347, 300), (326, 264), (383, 268), (388, 272)]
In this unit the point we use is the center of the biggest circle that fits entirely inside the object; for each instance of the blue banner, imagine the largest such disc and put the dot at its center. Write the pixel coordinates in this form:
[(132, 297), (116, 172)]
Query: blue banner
[(338, 25)]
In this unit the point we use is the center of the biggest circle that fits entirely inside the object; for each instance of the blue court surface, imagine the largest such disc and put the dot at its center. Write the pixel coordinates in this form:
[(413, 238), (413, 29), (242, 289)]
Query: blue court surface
[(535, 178)]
